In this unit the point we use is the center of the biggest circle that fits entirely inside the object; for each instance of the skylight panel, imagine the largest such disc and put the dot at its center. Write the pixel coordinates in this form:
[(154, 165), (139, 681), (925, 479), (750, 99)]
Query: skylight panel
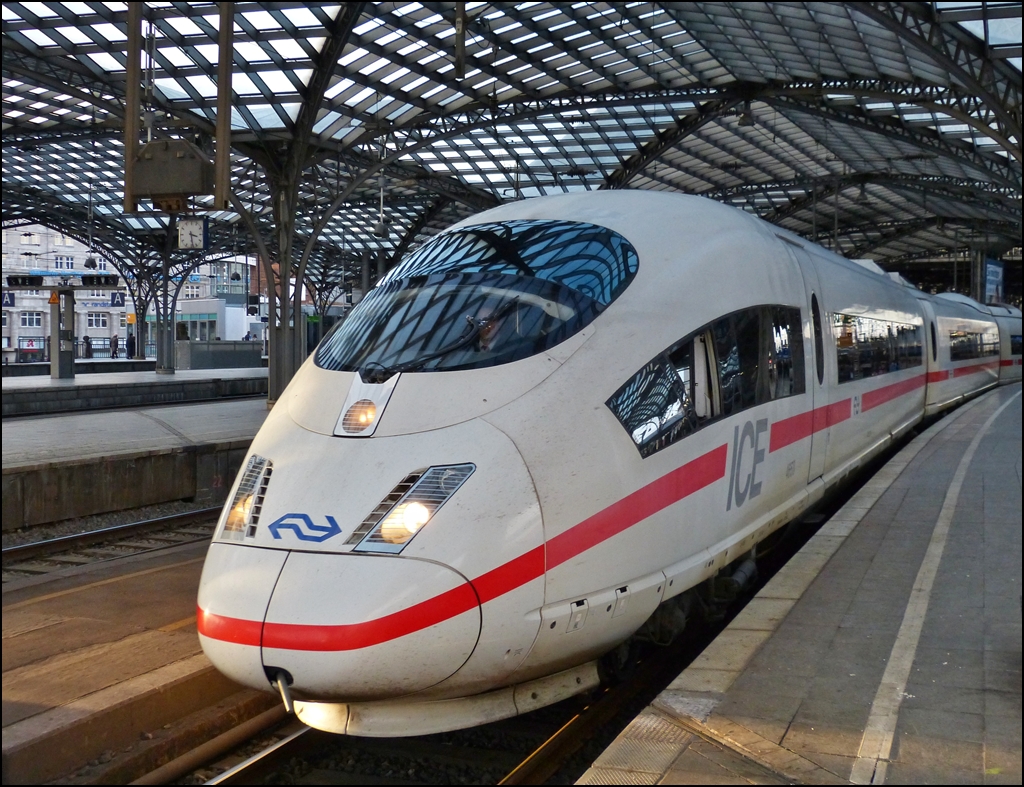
[(301, 17), (277, 81), (38, 37), (251, 52), (106, 61), (110, 32), (360, 97), (262, 20), (374, 66), (185, 26), (203, 85), (339, 87), (352, 57), (289, 48)]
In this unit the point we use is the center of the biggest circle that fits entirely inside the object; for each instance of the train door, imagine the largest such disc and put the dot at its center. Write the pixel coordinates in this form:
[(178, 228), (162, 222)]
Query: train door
[(817, 365)]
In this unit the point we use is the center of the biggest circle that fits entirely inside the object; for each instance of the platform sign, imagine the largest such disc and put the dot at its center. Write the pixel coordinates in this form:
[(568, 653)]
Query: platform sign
[(8, 300), (117, 299)]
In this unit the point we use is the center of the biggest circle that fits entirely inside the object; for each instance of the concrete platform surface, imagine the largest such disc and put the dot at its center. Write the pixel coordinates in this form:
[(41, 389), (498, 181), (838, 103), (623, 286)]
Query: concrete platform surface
[(72, 465), (74, 436), (28, 396), (97, 661), (887, 650), (129, 378)]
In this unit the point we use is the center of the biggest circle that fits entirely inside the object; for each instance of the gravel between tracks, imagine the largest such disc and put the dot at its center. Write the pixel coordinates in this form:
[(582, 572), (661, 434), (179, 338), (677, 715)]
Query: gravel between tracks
[(84, 524)]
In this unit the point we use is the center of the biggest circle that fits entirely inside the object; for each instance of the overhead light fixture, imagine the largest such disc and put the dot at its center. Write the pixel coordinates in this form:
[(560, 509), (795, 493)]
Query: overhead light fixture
[(862, 197)]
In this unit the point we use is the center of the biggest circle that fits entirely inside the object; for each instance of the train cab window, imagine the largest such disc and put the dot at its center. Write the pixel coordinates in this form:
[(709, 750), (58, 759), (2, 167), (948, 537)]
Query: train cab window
[(867, 347), (743, 359), (480, 296), (1015, 344)]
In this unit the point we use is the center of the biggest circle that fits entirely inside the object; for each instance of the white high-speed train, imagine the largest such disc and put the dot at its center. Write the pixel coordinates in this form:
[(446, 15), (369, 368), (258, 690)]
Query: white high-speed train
[(548, 427)]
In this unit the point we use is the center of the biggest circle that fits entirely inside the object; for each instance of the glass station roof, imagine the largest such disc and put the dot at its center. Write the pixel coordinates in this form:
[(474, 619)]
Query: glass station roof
[(883, 130)]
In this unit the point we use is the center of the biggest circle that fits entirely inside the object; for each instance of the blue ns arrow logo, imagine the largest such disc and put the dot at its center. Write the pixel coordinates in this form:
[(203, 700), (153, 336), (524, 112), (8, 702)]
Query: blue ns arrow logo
[(304, 528)]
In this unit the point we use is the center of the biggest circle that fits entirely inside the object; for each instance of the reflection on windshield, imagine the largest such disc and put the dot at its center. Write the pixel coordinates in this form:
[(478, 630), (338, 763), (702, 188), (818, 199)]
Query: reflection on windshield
[(485, 295)]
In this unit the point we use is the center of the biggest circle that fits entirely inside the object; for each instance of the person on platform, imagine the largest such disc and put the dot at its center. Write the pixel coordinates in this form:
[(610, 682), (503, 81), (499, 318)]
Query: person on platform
[(87, 344), (129, 346), (113, 346), (247, 337)]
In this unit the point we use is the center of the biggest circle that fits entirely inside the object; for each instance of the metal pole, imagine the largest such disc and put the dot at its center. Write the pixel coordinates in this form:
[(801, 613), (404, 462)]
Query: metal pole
[(132, 107), (222, 164), (366, 273)]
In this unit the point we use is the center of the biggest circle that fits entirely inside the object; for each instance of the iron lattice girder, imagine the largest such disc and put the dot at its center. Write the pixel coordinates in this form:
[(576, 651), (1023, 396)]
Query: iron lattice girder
[(995, 167), (1006, 202), (883, 234), (958, 51), (813, 98)]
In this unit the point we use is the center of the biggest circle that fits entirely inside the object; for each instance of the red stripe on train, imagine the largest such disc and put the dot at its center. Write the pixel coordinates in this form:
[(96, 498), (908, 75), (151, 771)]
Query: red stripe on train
[(795, 428), (889, 392)]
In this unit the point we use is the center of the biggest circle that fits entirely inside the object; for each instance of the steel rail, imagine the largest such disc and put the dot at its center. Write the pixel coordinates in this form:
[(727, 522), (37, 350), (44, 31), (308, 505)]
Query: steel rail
[(50, 546)]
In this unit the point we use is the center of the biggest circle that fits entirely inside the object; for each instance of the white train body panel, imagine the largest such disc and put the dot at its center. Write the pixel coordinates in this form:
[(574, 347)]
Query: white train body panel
[(567, 492)]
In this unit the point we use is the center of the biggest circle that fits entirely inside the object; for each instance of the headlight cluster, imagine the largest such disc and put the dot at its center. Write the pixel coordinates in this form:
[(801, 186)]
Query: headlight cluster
[(412, 504), (248, 500)]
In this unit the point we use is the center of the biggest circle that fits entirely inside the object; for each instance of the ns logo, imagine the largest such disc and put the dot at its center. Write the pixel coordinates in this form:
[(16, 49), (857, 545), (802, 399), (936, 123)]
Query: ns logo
[(747, 454)]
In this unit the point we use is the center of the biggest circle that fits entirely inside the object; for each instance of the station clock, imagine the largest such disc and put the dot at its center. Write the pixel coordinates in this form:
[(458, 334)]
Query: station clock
[(192, 233)]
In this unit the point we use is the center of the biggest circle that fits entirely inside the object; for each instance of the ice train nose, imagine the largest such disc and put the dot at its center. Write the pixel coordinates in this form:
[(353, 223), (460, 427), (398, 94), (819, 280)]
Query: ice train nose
[(363, 627)]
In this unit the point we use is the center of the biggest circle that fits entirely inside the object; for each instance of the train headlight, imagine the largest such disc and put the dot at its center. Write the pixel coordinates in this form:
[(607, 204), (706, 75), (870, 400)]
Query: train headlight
[(413, 510), (242, 504), (359, 417)]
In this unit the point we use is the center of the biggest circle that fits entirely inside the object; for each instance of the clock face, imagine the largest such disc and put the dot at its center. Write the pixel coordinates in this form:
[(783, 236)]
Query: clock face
[(191, 234)]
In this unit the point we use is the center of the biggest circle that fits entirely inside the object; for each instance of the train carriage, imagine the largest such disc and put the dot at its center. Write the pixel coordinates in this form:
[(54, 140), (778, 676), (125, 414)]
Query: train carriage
[(553, 425)]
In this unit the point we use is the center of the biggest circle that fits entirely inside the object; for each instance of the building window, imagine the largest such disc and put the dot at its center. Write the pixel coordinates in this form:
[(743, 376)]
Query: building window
[(95, 293), (63, 240), (31, 319), (64, 262), (30, 239), (96, 319), (5, 320), (191, 291), (124, 320), (101, 265)]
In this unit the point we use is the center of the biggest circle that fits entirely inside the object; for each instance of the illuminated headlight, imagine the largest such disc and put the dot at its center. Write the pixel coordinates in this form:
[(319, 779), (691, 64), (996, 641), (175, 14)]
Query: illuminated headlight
[(414, 509), (248, 499)]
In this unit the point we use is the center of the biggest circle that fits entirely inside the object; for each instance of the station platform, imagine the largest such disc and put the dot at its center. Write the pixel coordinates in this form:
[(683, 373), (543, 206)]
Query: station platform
[(887, 650), (125, 687), (63, 466), (43, 395)]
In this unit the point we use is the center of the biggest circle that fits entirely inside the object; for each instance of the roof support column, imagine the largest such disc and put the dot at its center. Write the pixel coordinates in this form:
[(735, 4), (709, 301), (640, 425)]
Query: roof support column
[(132, 108), (222, 164)]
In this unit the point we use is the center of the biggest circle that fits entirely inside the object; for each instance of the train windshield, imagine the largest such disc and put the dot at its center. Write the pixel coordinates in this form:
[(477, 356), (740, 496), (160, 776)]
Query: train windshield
[(481, 296)]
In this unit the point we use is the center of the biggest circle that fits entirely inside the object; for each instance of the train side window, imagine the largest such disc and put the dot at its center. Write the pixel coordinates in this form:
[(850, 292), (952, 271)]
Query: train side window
[(819, 344), (655, 406), (737, 349), (782, 353), (1015, 344), (935, 343), (866, 347), (743, 359)]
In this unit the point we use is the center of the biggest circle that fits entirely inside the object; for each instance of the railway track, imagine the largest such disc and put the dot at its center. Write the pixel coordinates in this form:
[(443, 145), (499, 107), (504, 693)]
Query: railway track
[(44, 557)]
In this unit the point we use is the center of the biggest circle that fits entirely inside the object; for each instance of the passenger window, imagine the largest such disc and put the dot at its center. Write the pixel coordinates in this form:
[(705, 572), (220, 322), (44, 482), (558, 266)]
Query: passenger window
[(746, 358), (867, 347), (935, 344)]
